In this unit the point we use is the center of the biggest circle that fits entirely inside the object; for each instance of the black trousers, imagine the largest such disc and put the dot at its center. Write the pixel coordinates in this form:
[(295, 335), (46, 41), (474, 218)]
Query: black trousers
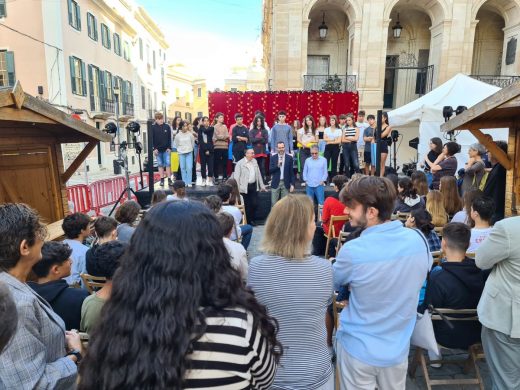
[(194, 170), (250, 202), (332, 155), (221, 162), (206, 161), (261, 166), (350, 158)]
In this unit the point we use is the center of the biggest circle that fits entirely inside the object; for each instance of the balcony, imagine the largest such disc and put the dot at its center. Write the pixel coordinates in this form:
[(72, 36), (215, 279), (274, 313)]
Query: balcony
[(128, 109), (101, 108), (498, 81), (333, 83)]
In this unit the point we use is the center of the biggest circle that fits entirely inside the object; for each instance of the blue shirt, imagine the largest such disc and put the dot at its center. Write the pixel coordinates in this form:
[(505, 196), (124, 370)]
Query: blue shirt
[(78, 257), (385, 267), (315, 171)]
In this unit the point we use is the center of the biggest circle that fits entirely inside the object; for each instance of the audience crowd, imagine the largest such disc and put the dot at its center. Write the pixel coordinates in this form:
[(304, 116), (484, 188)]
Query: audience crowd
[(182, 306)]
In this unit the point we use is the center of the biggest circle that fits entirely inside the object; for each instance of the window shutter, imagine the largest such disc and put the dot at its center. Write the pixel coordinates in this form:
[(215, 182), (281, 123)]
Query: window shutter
[(83, 79), (11, 77), (91, 86), (70, 11), (102, 92), (3, 9), (78, 16), (72, 75)]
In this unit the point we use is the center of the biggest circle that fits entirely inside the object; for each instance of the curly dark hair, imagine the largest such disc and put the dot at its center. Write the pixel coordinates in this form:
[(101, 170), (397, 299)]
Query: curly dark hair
[(74, 223), (103, 226), (213, 202), (108, 257), (18, 222), (53, 252), (128, 212), (409, 191), (423, 221), (169, 278)]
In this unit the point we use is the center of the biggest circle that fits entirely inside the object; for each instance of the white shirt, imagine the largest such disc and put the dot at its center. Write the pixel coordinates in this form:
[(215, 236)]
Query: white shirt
[(307, 137), (333, 134), (238, 257), (283, 165), (361, 126), (78, 255), (237, 216), (252, 172), (477, 237)]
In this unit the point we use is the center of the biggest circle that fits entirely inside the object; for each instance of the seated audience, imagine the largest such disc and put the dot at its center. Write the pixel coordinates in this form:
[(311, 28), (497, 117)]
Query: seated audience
[(236, 251), (296, 288), (214, 203), (385, 280), (126, 215), (482, 210), (446, 164), (108, 257), (435, 206), (420, 183), (76, 228), (106, 231), (158, 197), (498, 306), (173, 305), (422, 220), (407, 197), (394, 179), (9, 316), (236, 199), (331, 207), (36, 357), (179, 191), (242, 231), (495, 187), (450, 195), (51, 270), (464, 215), (456, 283)]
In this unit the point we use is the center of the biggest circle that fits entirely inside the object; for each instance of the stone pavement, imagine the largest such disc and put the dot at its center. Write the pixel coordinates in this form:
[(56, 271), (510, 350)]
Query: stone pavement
[(447, 371)]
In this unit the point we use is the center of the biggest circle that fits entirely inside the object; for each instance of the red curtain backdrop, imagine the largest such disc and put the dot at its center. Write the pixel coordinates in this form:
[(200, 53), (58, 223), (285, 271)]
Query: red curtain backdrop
[(297, 104)]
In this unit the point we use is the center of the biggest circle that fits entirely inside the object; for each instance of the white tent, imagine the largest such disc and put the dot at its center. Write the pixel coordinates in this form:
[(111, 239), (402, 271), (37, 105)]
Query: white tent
[(461, 90)]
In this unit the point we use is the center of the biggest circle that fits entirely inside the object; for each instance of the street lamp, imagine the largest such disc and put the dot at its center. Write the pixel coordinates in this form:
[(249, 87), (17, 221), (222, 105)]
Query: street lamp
[(323, 28), (397, 28)]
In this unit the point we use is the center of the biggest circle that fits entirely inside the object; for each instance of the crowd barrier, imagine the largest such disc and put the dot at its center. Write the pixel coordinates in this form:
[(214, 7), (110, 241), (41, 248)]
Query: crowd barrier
[(103, 193)]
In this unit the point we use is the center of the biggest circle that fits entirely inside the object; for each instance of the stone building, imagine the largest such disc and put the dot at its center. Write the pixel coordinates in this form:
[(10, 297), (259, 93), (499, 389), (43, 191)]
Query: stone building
[(187, 93), (391, 51)]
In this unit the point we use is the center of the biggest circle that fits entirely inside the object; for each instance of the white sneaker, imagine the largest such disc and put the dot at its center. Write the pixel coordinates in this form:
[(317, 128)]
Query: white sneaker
[(198, 182), (203, 184), (210, 183), (303, 184), (332, 184)]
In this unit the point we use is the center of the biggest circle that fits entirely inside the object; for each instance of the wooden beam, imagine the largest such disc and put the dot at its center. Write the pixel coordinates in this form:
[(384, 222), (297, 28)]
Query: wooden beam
[(13, 114), (499, 123), (514, 103), (78, 161), (6, 98), (18, 94), (498, 153)]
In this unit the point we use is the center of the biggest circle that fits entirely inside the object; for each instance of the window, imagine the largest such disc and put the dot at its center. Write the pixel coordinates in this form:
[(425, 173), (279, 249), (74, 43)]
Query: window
[(163, 82), (74, 15), (148, 54), (143, 98), (117, 44), (105, 36), (141, 49), (200, 114), (7, 75), (187, 116), (77, 76), (153, 58), (199, 92), (145, 141), (126, 51), (109, 91), (3, 10), (234, 89), (178, 114), (94, 83), (92, 26)]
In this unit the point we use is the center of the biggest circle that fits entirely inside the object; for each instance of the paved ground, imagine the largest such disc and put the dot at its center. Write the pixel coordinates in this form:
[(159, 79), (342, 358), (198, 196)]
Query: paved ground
[(447, 371)]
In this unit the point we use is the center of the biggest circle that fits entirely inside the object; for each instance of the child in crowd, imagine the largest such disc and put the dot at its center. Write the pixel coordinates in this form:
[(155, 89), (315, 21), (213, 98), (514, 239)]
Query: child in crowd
[(435, 206), (126, 215), (464, 215), (482, 210), (236, 251), (407, 197), (450, 193), (158, 197), (179, 191), (76, 228), (421, 220), (106, 230)]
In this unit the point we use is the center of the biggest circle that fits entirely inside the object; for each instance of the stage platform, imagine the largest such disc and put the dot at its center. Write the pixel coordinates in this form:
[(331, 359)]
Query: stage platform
[(200, 192)]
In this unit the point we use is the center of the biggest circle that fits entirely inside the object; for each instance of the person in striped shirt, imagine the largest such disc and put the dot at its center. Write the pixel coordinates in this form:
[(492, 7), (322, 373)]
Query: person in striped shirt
[(179, 316), (297, 289)]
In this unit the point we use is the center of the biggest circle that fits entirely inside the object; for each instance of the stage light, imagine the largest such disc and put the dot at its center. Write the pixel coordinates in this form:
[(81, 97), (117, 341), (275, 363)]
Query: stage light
[(134, 127), (460, 110), (395, 135), (111, 128), (447, 113)]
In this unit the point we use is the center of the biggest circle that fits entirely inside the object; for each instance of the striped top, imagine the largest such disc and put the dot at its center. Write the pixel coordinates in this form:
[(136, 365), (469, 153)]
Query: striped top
[(349, 132), (231, 354), (297, 293)]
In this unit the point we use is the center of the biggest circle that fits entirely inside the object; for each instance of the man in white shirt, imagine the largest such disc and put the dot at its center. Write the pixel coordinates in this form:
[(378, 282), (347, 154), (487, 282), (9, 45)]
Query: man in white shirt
[(245, 232), (236, 251), (482, 210), (76, 228)]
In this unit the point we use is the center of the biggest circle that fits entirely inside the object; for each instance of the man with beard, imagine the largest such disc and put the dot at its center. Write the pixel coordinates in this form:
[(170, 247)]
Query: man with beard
[(385, 268)]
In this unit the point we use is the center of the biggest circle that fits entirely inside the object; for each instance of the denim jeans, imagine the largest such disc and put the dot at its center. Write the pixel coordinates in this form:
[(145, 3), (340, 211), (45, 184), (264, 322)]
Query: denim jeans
[(350, 157), (247, 233), (186, 163), (318, 192)]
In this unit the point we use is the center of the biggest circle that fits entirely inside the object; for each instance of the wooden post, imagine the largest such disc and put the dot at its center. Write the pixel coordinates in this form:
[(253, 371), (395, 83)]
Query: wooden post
[(490, 145), (78, 161)]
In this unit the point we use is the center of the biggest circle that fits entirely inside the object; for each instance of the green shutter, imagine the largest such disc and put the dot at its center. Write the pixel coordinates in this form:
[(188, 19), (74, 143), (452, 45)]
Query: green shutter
[(3, 9), (70, 11), (11, 77), (72, 75), (83, 79), (78, 16), (102, 92)]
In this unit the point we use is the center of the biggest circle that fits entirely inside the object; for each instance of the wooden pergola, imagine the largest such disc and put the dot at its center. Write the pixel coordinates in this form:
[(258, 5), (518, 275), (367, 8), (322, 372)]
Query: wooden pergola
[(31, 162), (499, 111)]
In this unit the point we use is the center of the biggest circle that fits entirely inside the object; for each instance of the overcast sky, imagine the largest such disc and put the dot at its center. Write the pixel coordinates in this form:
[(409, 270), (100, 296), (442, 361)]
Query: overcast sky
[(209, 36)]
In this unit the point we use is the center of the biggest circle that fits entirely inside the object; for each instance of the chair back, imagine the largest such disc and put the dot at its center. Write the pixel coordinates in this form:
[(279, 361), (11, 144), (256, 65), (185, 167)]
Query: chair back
[(402, 216), (333, 219), (437, 256), (320, 213), (442, 314), (93, 283), (342, 238)]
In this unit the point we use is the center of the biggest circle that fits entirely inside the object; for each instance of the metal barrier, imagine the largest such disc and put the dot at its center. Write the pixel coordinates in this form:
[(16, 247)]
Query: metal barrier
[(80, 196)]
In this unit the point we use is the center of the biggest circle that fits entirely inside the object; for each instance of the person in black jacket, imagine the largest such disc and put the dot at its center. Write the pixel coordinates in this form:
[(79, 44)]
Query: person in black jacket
[(281, 170), (240, 138), (456, 283), (51, 269), (162, 146), (206, 151), (495, 187)]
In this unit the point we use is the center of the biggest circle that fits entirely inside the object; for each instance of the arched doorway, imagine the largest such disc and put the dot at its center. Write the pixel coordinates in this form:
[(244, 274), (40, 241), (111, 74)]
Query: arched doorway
[(330, 57)]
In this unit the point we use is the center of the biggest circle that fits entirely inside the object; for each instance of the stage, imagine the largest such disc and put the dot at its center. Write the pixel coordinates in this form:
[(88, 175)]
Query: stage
[(200, 192)]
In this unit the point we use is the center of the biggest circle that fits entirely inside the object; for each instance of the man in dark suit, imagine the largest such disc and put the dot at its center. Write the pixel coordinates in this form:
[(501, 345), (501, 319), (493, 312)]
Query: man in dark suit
[(495, 187), (282, 174)]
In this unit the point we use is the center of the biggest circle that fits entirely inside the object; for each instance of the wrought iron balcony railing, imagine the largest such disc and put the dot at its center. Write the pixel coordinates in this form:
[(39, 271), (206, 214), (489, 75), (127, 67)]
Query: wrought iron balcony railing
[(333, 83), (100, 104), (128, 108), (498, 81)]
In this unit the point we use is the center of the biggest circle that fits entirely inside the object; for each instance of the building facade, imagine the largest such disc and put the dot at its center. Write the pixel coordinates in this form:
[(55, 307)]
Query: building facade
[(100, 60), (187, 94), (364, 52)]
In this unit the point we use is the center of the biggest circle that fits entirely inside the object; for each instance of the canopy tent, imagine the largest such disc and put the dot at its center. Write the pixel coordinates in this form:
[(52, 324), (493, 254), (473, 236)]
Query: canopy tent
[(461, 90)]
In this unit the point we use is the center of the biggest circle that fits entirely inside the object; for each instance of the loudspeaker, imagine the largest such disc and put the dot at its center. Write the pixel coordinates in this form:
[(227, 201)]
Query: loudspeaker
[(414, 143), (117, 166)]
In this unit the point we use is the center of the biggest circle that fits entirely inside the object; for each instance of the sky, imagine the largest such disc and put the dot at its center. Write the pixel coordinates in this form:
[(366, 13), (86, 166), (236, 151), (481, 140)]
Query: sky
[(209, 36)]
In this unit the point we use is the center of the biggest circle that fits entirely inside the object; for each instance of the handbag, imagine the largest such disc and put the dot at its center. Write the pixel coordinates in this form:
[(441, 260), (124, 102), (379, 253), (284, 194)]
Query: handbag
[(423, 335)]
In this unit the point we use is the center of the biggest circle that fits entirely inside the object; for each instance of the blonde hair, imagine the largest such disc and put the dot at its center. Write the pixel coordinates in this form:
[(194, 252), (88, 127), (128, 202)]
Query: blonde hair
[(158, 115), (286, 228), (435, 206)]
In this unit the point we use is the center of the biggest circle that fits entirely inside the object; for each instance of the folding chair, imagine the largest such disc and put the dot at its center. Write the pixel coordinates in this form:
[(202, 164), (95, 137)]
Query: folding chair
[(337, 307), (475, 352), (320, 212), (342, 238), (93, 283), (332, 231)]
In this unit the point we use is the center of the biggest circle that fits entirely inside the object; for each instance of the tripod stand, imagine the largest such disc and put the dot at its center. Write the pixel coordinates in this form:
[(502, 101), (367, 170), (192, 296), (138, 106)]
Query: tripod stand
[(128, 190)]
